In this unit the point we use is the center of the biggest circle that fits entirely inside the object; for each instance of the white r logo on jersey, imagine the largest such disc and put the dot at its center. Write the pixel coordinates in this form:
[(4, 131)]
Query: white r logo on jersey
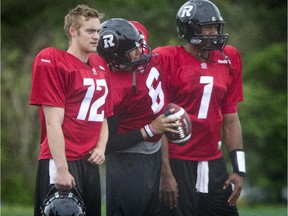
[(187, 11), (108, 41)]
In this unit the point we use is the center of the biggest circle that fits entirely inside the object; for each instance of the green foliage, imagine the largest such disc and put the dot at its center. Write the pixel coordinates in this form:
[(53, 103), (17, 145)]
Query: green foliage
[(264, 114)]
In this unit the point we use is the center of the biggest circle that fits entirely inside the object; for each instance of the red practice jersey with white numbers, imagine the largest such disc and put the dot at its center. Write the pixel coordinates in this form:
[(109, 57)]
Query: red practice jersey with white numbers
[(206, 90), (139, 105), (59, 79)]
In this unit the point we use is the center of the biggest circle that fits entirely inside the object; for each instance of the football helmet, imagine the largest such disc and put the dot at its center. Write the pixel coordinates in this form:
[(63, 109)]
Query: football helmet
[(142, 29), (196, 13), (63, 203), (117, 38)]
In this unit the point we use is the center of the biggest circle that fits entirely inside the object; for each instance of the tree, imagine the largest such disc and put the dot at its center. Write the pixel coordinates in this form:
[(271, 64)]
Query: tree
[(265, 118)]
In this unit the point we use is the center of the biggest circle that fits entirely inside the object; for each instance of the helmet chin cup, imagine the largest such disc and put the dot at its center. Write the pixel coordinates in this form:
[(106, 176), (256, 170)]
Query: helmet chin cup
[(217, 42)]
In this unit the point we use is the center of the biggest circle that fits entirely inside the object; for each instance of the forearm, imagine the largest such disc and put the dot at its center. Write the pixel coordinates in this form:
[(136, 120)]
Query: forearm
[(57, 148), (103, 138), (234, 144), (232, 132), (165, 156), (118, 142), (121, 141), (56, 142)]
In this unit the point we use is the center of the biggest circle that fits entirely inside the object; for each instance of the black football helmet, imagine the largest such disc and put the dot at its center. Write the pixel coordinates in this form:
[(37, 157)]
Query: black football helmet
[(117, 38), (63, 203), (196, 13)]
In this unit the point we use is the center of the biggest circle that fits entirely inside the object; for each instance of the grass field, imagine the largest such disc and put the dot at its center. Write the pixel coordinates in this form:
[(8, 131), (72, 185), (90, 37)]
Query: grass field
[(261, 210)]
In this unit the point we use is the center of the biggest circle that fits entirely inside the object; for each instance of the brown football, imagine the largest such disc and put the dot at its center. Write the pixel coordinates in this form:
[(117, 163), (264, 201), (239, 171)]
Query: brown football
[(184, 130)]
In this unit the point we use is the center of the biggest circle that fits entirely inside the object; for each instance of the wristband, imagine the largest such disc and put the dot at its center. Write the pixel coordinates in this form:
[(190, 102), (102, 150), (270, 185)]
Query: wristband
[(149, 130), (237, 157)]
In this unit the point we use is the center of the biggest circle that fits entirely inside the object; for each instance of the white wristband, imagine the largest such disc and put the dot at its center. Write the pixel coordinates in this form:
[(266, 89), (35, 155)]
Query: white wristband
[(148, 131)]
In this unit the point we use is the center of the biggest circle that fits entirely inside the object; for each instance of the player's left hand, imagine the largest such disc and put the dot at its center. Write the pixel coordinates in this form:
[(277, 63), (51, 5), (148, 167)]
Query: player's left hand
[(97, 156), (168, 190), (238, 181)]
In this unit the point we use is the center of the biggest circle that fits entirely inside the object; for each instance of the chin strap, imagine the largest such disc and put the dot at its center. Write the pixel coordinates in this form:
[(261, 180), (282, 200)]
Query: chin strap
[(134, 81), (228, 61)]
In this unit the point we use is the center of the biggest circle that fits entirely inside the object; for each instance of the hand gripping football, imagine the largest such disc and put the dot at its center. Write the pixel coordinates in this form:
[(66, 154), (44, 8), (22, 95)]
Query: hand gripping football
[(184, 130)]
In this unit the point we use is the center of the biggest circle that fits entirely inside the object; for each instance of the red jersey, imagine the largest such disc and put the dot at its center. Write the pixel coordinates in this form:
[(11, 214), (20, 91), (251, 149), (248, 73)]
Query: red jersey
[(60, 79), (206, 90), (138, 106)]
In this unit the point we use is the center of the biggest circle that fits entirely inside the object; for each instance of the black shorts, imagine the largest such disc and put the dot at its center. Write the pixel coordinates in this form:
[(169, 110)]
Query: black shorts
[(132, 187), (87, 179), (208, 199)]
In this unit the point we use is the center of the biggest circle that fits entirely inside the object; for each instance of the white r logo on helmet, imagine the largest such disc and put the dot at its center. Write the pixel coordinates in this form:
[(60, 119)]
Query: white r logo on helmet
[(108, 40), (187, 11)]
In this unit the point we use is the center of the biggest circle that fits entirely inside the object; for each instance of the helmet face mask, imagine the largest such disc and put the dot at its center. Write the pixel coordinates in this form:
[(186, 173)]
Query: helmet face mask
[(63, 203), (118, 37), (195, 14)]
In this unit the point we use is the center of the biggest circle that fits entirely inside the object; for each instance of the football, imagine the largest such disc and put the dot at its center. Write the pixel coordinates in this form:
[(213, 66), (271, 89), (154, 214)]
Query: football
[(185, 129)]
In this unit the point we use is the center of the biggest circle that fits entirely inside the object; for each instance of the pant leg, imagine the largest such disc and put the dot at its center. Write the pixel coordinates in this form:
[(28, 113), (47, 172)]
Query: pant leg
[(185, 174), (87, 177), (131, 182), (42, 185), (214, 203)]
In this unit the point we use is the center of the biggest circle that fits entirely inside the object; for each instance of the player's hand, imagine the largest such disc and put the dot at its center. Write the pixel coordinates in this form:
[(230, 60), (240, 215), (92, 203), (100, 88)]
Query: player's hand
[(238, 181), (168, 190), (162, 124), (64, 180), (97, 156)]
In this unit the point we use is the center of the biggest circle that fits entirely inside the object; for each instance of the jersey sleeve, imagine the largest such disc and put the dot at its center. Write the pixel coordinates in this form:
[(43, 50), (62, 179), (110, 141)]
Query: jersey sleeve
[(235, 91), (47, 83)]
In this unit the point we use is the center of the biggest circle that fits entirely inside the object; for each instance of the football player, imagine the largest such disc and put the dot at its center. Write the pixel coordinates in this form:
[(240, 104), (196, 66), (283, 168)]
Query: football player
[(71, 90), (133, 150), (204, 76)]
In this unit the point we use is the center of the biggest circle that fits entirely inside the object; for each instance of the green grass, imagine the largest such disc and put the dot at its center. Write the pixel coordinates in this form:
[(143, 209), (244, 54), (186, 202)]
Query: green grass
[(261, 210), (16, 211), (9, 210)]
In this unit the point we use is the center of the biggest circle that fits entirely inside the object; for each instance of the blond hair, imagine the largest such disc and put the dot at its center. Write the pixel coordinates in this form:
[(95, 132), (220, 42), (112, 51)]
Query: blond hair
[(73, 18)]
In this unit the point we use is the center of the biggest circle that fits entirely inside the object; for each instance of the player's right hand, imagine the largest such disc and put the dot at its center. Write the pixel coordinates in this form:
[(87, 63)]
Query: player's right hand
[(64, 180), (162, 124)]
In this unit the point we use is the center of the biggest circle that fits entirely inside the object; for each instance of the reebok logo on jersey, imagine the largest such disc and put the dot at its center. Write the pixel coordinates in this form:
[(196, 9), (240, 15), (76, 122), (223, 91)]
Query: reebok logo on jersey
[(223, 61), (46, 60)]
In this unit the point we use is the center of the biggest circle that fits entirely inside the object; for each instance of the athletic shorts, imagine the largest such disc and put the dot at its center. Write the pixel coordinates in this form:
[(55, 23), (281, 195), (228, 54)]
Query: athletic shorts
[(132, 184), (87, 179), (201, 190)]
